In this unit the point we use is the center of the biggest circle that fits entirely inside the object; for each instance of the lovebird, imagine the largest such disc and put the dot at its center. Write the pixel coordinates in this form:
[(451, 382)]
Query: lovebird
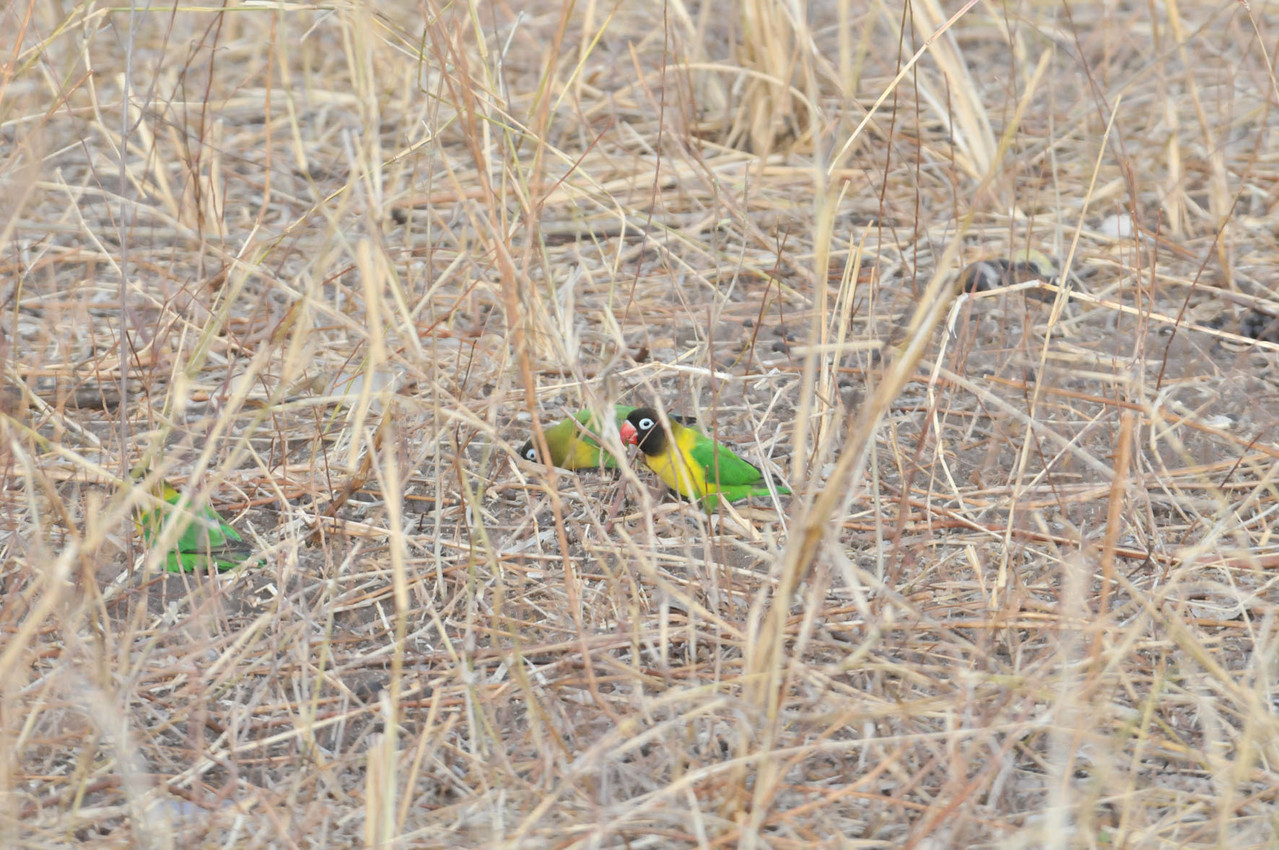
[(691, 463), (995, 272), (574, 441), (206, 537)]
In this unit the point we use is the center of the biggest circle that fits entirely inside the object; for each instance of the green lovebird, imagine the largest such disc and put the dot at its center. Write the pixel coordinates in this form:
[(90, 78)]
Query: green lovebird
[(691, 463), (574, 441), (206, 539)]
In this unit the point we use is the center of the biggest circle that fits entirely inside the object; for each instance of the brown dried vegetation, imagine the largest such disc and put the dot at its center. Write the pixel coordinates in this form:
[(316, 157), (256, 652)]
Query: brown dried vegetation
[(327, 265)]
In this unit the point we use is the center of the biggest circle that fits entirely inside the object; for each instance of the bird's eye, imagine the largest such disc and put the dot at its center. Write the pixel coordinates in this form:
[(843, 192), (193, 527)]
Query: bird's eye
[(530, 453), (646, 424)]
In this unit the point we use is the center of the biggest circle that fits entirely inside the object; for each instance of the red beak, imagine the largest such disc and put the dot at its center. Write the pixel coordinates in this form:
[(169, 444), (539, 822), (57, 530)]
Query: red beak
[(629, 435)]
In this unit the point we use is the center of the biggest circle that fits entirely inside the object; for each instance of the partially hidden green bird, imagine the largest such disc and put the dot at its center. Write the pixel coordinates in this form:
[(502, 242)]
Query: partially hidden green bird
[(574, 441), (691, 463), (996, 272), (205, 540)]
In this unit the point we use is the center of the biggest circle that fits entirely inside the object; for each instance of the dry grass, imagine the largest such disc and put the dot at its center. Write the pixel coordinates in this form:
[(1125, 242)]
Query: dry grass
[(326, 265)]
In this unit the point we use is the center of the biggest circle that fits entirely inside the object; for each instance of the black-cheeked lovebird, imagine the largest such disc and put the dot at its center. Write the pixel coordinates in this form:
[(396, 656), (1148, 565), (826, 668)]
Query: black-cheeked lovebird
[(691, 463)]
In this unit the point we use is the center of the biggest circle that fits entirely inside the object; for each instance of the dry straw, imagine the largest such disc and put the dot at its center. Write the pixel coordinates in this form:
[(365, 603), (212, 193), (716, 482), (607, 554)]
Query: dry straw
[(325, 267)]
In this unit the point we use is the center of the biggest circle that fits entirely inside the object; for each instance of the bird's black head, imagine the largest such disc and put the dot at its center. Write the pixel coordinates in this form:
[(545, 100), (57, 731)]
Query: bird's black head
[(645, 431), (528, 451)]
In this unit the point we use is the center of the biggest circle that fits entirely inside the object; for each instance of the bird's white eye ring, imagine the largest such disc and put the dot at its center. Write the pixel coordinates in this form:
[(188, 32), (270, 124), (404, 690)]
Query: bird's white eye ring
[(531, 454), (646, 424)]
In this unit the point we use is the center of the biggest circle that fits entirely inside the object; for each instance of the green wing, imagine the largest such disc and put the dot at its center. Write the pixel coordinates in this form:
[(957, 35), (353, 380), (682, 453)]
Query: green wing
[(722, 466), (209, 531)]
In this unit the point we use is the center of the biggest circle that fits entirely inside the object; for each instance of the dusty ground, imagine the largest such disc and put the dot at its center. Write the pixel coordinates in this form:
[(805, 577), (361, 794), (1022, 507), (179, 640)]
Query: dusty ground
[(329, 263)]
